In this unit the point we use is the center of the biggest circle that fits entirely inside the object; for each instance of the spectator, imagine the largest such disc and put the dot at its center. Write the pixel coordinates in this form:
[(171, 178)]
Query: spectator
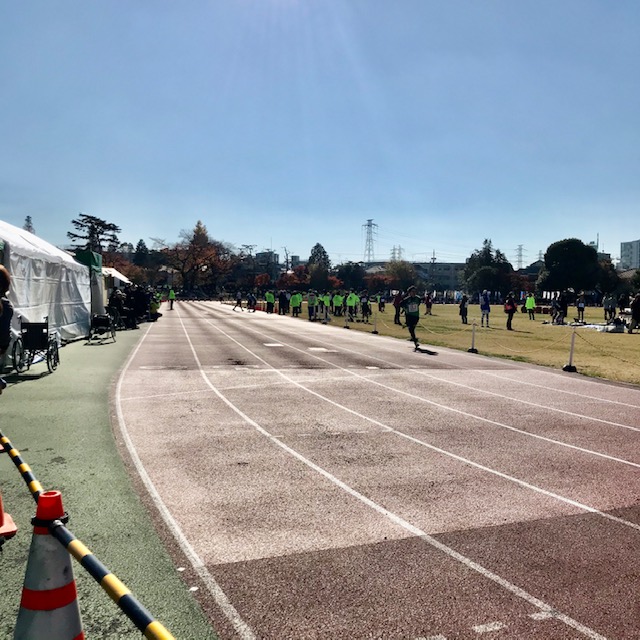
[(464, 308), (580, 305), (397, 303), (530, 306), (6, 313), (635, 313), (510, 308), (485, 308)]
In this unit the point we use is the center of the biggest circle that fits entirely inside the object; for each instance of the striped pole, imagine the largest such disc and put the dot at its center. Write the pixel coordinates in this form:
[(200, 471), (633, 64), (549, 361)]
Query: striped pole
[(49, 605), (119, 593), (25, 470), (116, 590)]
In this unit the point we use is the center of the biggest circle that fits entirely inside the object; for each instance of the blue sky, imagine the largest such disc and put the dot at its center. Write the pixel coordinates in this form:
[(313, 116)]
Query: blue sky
[(282, 123)]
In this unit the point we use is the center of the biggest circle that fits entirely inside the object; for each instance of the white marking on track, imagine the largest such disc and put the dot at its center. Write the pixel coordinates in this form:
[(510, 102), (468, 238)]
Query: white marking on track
[(489, 627), (230, 612), (450, 454), (452, 409), (470, 564), (541, 615), (534, 404), (273, 344), (573, 393)]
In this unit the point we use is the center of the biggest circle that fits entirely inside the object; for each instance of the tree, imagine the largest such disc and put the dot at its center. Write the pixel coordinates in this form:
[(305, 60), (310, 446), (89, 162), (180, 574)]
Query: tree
[(141, 254), (352, 275), (262, 280), (94, 232), (401, 274), (319, 257), (377, 282), (570, 264), (318, 277), (489, 269), (28, 225), (609, 280), (198, 260)]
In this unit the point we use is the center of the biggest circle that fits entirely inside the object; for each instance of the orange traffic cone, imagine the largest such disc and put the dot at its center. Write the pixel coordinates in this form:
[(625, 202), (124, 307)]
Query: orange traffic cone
[(7, 525), (49, 605)]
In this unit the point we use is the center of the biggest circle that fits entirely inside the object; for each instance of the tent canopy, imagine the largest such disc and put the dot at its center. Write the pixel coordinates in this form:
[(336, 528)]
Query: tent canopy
[(110, 272), (46, 282)]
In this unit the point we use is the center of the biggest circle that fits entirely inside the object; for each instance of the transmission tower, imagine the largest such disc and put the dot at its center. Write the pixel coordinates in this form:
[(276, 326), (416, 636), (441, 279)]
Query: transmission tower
[(520, 251), (368, 246)]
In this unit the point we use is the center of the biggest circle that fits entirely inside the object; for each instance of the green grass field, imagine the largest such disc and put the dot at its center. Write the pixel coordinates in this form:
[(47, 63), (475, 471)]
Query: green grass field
[(614, 356)]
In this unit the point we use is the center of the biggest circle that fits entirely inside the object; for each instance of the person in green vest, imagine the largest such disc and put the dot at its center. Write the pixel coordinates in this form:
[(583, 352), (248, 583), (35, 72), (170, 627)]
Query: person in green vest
[(270, 299), (326, 302), (352, 303), (312, 301), (296, 303), (172, 298), (530, 306), (337, 302), (411, 305)]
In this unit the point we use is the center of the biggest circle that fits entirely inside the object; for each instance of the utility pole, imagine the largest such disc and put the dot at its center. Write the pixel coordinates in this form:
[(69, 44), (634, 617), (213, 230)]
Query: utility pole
[(371, 228), (286, 258)]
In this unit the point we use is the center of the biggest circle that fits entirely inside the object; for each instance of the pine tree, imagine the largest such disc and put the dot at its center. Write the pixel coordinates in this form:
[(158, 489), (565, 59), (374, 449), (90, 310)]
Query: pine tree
[(94, 233)]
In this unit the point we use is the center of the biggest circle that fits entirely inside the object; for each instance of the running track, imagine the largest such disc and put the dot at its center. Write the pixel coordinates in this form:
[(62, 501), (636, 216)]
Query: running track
[(327, 483)]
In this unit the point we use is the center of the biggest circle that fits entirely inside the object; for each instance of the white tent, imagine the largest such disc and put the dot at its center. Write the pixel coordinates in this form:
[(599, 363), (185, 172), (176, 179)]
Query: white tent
[(46, 281), (112, 279)]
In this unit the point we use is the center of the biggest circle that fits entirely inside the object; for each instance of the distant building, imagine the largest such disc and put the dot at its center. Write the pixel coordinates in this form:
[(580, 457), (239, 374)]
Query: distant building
[(629, 255), (445, 276), (268, 262)]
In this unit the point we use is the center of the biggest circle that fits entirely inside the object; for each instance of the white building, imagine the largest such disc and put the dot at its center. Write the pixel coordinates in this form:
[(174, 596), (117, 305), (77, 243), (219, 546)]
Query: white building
[(629, 255)]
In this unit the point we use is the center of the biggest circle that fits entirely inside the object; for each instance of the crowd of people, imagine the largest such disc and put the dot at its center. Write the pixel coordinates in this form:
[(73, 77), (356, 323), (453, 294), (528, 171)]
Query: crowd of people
[(357, 307), (134, 304), (353, 306)]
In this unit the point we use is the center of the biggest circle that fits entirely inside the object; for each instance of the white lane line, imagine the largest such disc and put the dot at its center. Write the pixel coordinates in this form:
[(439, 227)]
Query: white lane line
[(392, 517), (546, 408), (519, 401), (229, 611), (541, 615), (572, 393), (444, 407), (489, 627), (272, 344), (573, 414), (500, 474), (502, 425)]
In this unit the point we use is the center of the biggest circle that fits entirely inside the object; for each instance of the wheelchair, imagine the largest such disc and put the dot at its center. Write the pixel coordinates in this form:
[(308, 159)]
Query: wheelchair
[(103, 327), (35, 343)]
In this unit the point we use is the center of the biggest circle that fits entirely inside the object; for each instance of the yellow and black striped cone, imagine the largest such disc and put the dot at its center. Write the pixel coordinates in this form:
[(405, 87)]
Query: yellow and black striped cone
[(49, 606)]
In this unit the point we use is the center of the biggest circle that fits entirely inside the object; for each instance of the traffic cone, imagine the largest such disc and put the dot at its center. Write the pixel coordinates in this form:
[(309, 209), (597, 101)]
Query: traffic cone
[(7, 525), (49, 606)]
